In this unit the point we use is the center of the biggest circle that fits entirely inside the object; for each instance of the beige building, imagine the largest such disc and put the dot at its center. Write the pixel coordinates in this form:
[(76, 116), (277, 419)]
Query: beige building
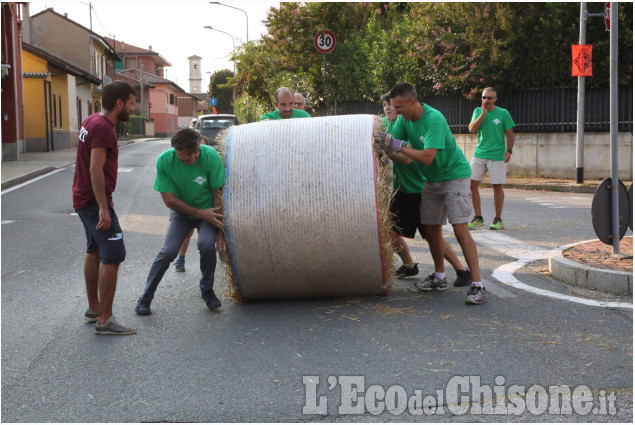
[(80, 47)]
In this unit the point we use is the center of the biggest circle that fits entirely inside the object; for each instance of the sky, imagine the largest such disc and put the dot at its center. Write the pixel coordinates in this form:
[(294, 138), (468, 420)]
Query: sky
[(174, 29)]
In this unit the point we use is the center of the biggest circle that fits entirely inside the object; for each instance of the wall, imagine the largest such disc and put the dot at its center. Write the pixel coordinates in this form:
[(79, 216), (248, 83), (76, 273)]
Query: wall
[(34, 107), (12, 91), (187, 110), (73, 125), (554, 154), (59, 87), (62, 37), (164, 114)]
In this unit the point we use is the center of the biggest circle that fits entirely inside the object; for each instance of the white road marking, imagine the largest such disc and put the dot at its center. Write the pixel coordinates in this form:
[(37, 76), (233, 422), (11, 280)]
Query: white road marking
[(525, 254), (124, 170), (30, 181), (8, 221), (574, 202)]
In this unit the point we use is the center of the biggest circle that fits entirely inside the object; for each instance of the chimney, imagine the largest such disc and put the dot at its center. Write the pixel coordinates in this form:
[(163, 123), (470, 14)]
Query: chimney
[(123, 46), (150, 48), (26, 23)]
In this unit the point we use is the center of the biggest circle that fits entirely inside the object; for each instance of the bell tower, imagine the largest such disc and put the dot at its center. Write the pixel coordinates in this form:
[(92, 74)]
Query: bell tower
[(195, 74)]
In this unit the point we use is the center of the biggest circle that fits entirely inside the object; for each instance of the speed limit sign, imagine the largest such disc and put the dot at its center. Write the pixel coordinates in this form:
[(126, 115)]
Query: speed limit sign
[(324, 41)]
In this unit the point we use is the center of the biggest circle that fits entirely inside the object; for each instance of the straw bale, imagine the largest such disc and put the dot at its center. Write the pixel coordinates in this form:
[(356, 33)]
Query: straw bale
[(307, 209)]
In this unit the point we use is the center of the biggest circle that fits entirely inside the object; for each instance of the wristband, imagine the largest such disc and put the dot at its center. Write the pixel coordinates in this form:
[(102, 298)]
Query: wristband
[(510, 151)]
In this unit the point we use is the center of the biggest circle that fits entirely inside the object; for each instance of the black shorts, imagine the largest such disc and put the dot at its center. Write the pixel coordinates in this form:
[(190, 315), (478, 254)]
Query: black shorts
[(109, 243), (406, 210)]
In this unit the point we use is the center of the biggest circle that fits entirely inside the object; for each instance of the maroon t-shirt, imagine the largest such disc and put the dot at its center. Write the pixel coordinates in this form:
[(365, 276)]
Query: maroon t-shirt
[(96, 131)]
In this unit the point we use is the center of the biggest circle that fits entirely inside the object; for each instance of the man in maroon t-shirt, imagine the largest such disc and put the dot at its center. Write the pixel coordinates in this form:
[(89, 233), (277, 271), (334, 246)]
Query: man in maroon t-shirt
[(94, 182)]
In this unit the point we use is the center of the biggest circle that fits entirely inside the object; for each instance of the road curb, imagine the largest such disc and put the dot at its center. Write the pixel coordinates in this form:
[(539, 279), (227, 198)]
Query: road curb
[(612, 281), (553, 188), (26, 177)]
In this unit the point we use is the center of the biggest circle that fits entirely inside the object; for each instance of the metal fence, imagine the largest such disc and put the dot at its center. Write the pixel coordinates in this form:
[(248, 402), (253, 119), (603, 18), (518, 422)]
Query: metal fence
[(533, 110)]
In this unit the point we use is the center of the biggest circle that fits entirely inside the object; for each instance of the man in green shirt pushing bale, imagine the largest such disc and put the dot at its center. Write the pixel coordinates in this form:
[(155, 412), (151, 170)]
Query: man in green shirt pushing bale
[(446, 192), (189, 177)]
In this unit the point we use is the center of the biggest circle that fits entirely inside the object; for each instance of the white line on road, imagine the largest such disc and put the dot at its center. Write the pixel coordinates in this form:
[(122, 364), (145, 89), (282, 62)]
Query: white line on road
[(525, 254), (30, 181)]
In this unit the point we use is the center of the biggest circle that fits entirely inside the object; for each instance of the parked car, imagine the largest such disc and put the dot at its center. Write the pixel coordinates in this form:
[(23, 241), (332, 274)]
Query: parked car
[(210, 126)]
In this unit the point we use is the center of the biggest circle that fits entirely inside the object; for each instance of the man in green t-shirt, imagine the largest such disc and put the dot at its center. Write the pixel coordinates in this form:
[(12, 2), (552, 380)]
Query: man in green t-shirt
[(446, 193), (189, 177), (284, 100), (492, 124), (405, 204)]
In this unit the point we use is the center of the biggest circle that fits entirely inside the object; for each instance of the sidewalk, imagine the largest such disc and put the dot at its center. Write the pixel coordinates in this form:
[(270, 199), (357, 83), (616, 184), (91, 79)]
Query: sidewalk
[(35, 164)]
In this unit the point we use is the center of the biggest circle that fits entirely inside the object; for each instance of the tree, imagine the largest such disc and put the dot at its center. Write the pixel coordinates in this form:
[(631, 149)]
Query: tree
[(218, 88), (441, 48)]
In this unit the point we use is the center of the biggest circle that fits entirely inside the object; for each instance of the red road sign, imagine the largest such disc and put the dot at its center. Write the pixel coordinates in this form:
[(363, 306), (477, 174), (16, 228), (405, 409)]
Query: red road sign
[(324, 41), (607, 16)]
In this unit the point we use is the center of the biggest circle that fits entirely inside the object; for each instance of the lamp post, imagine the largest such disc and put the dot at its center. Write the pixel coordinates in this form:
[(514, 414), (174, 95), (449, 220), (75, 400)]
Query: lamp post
[(233, 60), (237, 8)]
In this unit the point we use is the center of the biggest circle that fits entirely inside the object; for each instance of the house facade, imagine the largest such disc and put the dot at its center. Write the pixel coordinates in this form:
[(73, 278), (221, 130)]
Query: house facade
[(12, 90), (51, 109), (162, 100), (80, 48)]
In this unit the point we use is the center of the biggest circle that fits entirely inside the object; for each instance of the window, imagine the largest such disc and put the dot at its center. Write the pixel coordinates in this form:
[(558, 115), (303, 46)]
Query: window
[(195, 66), (171, 98)]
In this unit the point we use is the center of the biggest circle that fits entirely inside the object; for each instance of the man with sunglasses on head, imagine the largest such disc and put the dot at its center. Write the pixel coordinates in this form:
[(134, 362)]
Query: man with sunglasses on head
[(492, 124)]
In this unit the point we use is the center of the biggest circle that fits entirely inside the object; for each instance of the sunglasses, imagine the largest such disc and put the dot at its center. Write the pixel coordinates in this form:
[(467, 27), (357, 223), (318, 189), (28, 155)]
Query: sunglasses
[(487, 97)]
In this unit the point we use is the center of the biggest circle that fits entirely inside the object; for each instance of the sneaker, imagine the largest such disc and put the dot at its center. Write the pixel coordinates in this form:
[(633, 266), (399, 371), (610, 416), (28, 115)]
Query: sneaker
[(91, 315), (431, 282), (143, 308), (475, 223), (211, 301), (498, 224), (476, 295), (112, 327), (405, 271), (179, 265), (463, 278)]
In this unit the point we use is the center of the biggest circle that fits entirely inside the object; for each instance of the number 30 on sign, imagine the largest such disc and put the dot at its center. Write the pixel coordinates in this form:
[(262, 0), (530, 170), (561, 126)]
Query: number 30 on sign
[(324, 41)]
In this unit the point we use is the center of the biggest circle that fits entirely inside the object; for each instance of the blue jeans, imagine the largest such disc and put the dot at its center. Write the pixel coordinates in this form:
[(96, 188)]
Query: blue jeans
[(178, 229)]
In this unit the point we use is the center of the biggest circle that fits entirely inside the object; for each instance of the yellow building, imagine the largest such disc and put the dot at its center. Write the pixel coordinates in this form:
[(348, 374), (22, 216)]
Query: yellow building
[(51, 103)]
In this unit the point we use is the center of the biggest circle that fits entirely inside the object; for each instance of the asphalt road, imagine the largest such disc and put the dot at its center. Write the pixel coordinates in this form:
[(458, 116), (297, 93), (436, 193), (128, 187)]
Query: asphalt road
[(261, 362)]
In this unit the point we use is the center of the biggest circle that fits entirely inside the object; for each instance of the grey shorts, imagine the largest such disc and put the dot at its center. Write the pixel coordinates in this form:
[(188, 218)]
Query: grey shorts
[(497, 170), (446, 201)]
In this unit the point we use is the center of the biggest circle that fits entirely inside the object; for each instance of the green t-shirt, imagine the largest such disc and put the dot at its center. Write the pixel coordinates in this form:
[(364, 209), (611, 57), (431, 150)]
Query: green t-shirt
[(431, 131), (275, 115), (192, 184), (405, 178), (491, 133)]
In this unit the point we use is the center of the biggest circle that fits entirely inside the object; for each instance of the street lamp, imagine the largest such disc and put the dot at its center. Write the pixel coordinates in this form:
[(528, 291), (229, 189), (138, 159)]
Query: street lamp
[(233, 59), (237, 8)]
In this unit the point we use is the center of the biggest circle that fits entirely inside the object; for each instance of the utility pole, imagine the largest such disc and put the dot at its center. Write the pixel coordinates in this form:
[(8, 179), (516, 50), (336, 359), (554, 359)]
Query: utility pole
[(615, 184), (90, 12), (579, 160)]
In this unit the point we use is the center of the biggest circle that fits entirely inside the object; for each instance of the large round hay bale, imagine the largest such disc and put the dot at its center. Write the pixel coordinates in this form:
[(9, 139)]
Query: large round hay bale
[(303, 214)]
